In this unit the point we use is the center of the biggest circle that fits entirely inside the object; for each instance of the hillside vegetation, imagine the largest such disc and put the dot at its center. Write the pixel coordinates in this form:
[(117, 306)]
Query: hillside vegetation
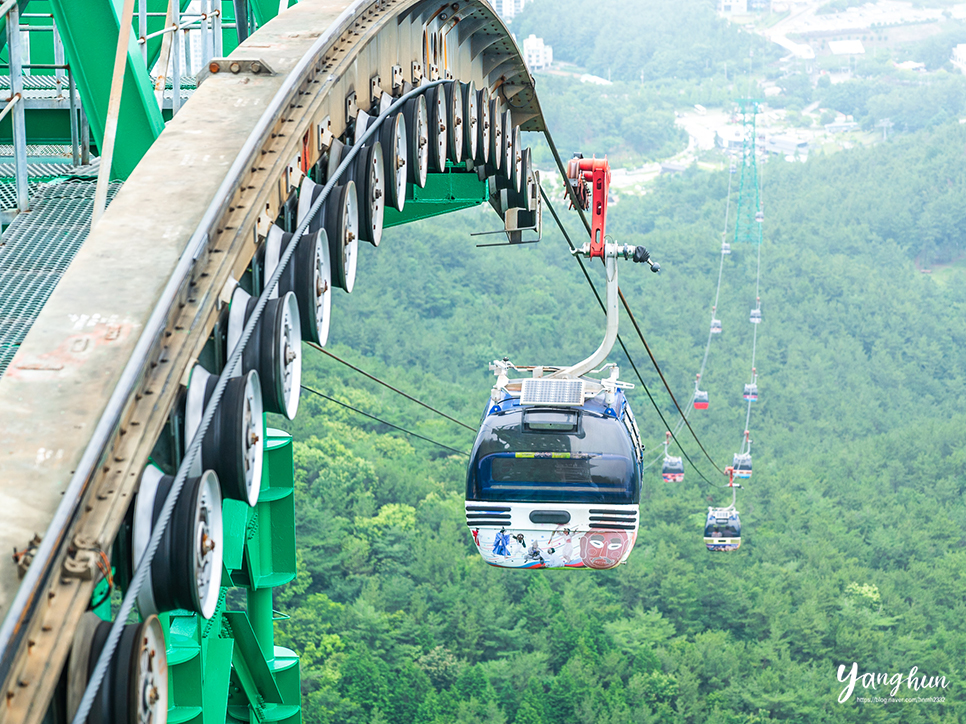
[(855, 525)]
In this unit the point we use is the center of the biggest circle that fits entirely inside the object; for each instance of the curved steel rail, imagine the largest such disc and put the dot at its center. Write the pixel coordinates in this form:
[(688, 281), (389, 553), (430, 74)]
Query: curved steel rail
[(87, 396)]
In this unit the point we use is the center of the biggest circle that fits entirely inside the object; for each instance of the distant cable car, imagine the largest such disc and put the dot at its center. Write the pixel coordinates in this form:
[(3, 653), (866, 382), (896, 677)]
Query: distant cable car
[(722, 531), (734, 167), (751, 389), (725, 247), (700, 396), (755, 317), (715, 326), (672, 468), (759, 216), (554, 477), (742, 465)]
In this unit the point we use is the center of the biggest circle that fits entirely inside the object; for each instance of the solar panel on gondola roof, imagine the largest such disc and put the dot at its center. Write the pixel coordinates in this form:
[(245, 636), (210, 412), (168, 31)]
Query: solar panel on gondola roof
[(564, 392)]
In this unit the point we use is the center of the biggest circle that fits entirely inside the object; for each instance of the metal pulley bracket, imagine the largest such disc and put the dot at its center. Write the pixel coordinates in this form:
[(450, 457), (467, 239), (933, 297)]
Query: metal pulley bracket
[(82, 561), (235, 66)]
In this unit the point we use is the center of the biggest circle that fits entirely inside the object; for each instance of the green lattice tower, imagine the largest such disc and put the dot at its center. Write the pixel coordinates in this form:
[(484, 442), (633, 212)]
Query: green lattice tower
[(748, 224)]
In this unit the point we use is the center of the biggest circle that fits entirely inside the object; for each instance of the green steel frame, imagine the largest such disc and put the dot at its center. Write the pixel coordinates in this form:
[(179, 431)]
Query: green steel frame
[(444, 193), (90, 31), (226, 668)]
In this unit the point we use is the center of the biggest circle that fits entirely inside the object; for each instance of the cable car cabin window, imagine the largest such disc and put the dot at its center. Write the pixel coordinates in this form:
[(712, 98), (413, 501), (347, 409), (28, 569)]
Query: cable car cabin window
[(731, 530), (554, 456), (549, 477)]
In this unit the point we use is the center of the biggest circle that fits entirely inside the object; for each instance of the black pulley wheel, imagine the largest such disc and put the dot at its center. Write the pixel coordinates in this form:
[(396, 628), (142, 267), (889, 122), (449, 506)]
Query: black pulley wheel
[(186, 568), (497, 150), (452, 90), (341, 223), (274, 349), (233, 444), (418, 139), (438, 128), (507, 145), (135, 687), (471, 120), (370, 178), (483, 127), (308, 276), (308, 192), (516, 170), (524, 199), (395, 152)]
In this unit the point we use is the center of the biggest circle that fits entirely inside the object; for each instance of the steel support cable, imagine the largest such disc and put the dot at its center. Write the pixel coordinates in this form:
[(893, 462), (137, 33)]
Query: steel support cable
[(384, 422), (746, 442), (717, 296), (194, 447), (575, 203), (717, 292), (657, 367), (14, 622), (387, 385), (627, 353)]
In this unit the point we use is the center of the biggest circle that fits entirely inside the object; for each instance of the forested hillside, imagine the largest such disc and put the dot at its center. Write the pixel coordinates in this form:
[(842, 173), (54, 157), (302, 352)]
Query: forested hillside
[(855, 526)]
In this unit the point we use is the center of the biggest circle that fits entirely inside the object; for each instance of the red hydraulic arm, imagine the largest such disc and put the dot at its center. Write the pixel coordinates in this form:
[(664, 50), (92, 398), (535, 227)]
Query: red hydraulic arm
[(580, 172)]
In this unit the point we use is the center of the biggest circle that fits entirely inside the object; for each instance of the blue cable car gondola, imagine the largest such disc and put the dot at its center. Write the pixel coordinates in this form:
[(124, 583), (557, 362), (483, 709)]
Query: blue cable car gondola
[(565, 483), (722, 531), (554, 477)]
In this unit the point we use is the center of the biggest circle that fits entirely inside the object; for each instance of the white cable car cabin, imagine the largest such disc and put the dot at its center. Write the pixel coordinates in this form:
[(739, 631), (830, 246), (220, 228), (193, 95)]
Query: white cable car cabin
[(722, 531), (715, 326), (751, 392), (755, 316), (742, 465), (672, 469)]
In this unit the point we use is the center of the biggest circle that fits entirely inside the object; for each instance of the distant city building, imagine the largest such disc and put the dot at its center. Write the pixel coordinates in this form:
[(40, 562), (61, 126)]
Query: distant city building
[(730, 137), (959, 56), (595, 79), (507, 9), (538, 54), (841, 126), (787, 145), (910, 65), (730, 7), (846, 47)]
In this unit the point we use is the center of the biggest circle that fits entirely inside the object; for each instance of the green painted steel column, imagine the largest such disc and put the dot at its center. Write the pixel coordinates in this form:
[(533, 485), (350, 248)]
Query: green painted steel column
[(260, 614), (90, 31)]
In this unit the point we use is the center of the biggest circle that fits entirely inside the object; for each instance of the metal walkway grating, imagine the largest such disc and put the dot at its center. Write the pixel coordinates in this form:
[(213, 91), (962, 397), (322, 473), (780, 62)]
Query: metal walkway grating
[(35, 251)]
